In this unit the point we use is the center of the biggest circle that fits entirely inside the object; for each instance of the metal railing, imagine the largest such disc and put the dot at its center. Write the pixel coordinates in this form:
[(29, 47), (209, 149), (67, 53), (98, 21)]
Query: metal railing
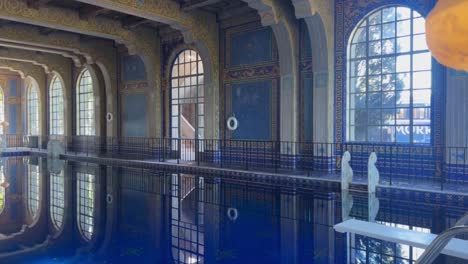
[(412, 164), (441, 241)]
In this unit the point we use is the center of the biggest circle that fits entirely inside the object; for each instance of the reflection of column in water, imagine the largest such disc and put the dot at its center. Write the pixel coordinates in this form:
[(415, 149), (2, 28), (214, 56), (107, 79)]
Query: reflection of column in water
[(289, 228), (324, 234), (212, 220)]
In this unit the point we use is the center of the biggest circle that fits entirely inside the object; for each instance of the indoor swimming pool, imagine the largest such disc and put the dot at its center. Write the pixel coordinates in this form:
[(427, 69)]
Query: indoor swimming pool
[(56, 211)]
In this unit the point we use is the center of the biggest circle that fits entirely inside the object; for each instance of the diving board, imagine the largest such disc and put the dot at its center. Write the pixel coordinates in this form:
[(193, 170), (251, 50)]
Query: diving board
[(456, 247)]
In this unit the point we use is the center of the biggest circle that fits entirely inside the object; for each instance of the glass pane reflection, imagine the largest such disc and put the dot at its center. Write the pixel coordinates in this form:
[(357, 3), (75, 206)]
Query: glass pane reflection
[(86, 186), (57, 198), (33, 190)]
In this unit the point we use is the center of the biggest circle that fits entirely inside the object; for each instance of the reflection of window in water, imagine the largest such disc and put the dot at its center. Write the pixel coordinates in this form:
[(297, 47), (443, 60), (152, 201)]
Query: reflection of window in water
[(2, 110), (33, 189), (86, 185), (369, 250), (57, 198), (187, 219), (2, 188), (389, 78)]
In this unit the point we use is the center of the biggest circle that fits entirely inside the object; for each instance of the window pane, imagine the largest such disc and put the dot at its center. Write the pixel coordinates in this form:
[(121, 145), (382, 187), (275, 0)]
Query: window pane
[(388, 82), (388, 14), (388, 65), (374, 48), (388, 30), (375, 18), (422, 61), (403, 44), (360, 35), (403, 28), (422, 80), (388, 46), (419, 25), (419, 42), (358, 84), (358, 68), (359, 50), (403, 63), (422, 97), (403, 13), (375, 66)]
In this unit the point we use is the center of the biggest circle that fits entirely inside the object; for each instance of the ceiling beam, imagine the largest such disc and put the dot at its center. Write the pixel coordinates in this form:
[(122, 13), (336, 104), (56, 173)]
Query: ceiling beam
[(4, 23), (133, 22), (89, 11), (187, 6), (36, 4), (234, 12), (46, 31)]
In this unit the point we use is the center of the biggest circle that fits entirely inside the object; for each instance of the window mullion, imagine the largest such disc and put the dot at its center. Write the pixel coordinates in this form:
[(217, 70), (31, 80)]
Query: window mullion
[(411, 122), (366, 132)]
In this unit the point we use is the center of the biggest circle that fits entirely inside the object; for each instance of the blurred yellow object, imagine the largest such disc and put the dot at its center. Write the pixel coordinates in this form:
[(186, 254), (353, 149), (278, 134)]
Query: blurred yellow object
[(447, 33)]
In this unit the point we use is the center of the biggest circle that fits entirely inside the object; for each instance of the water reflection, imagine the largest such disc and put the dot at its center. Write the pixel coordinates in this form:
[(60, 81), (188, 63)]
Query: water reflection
[(33, 190), (99, 214), (187, 219), (3, 185), (86, 189), (57, 198)]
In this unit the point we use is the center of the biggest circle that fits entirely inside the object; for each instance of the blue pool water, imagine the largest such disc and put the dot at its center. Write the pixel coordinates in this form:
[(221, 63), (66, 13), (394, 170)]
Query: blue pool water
[(90, 213)]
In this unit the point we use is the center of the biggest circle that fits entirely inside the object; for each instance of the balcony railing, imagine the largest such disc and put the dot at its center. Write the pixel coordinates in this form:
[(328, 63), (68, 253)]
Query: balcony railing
[(412, 164)]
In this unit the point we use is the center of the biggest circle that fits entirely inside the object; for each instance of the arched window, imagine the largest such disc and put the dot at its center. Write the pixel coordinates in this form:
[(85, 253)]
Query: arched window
[(187, 103), (85, 196), (57, 198), (33, 190), (85, 112), (389, 79), (33, 110), (2, 111), (56, 107)]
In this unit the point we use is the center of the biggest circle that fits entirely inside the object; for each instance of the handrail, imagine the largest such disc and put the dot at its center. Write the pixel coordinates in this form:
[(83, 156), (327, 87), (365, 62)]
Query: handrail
[(441, 241), (462, 221)]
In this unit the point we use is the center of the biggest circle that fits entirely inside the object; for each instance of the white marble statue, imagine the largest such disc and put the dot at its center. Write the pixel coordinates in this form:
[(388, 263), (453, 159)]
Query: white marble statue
[(55, 149), (346, 171), (372, 173)]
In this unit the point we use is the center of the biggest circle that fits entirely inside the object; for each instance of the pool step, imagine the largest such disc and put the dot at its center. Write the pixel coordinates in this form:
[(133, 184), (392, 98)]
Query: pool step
[(455, 248)]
